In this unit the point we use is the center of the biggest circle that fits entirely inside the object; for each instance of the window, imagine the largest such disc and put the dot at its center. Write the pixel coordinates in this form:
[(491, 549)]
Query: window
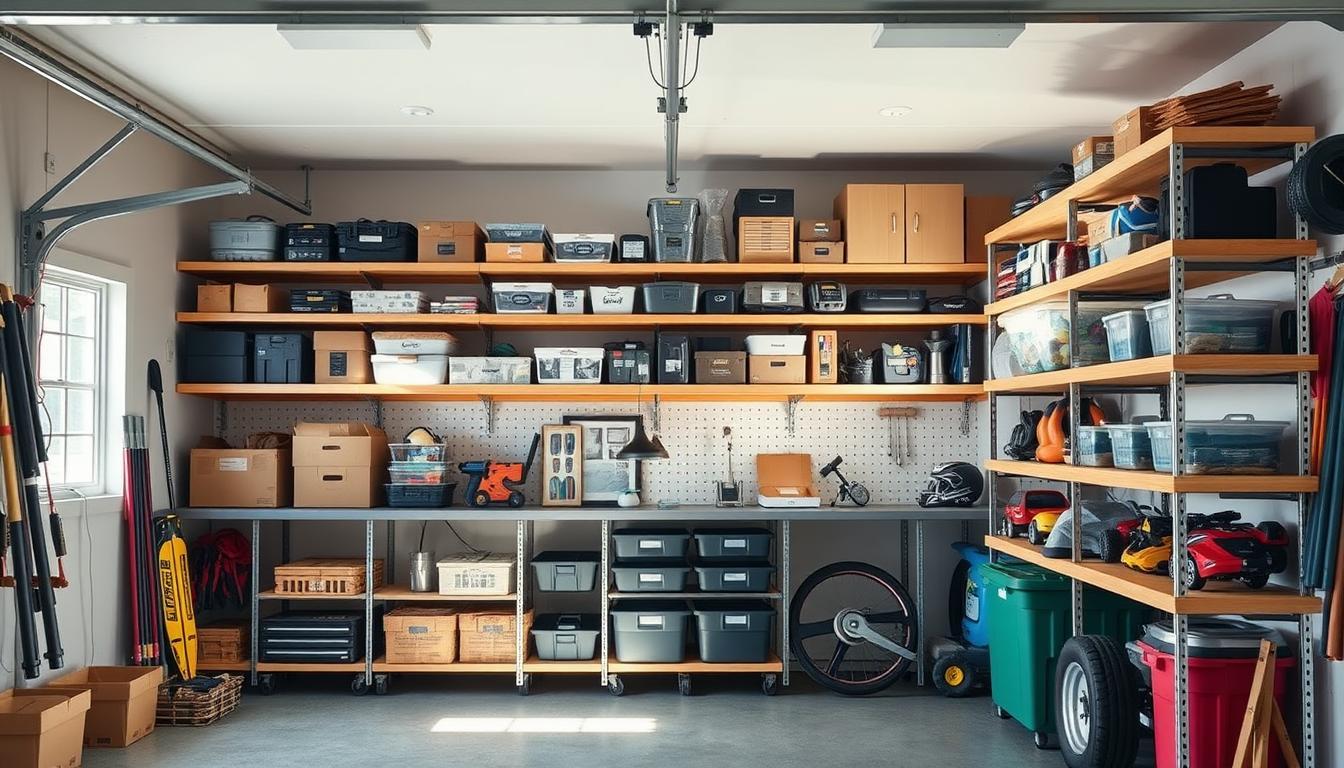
[(71, 373)]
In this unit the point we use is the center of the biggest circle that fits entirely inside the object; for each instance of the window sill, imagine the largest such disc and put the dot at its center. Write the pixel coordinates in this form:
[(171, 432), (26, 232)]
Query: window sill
[(69, 505)]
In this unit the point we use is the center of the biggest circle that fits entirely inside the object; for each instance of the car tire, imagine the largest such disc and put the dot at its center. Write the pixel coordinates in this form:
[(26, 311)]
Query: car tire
[(1111, 546), (1192, 578), (1096, 704), (1034, 535), (1278, 559), (1273, 531), (1256, 580)]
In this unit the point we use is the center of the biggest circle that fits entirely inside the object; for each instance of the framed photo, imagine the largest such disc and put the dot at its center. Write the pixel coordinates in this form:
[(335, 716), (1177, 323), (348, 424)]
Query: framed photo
[(561, 465), (604, 477)]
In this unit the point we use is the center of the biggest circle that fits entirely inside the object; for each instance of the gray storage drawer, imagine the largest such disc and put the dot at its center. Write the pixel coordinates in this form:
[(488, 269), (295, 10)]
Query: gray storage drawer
[(667, 575), (566, 636), (734, 631), (566, 571), (650, 631), (734, 543), (735, 577), (639, 543)]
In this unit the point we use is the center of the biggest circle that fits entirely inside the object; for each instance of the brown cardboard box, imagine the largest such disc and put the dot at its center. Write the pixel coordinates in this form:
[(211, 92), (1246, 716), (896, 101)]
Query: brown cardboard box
[(1098, 227), (259, 298), (765, 240), (339, 465), (1132, 129), (450, 241), (821, 252), (983, 214), (819, 231), (238, 477), (823, 354), (342, 357), (490, 636), (777, 369), (41, 728), (527, 252), (421, 635), (213, 297), (721, 367), (785, 476), (1091, 146), (123, 702)]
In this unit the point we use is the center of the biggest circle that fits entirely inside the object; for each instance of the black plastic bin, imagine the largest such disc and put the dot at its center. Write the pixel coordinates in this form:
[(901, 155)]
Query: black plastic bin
[(566, 636), (366, 240), (643, 543), (650, 631), (733, 543), (748, 576), (734, 631), (420, 495), (215, 357), (665, 575), (282, 358), (566, 571)]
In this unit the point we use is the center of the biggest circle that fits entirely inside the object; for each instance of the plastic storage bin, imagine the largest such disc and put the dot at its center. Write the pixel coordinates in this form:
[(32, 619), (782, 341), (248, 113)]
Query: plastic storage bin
[(429, 496), (254, 239), (410, 369), (489, 370), (734, 631), (1093, 447), (1031, 623), (650, 631), (414, 343), (569, 301), (746, 576), (1219, 324), (733, 543), (612, 300), (638, 543), (569, 365), (416, 452), (585, 248), (670, 297), (417, 472), (522, 298), (1236, 444), (517, 233), (649, 575), (1127, 335), (566, 636), (1130, 446), (566, 571), (777, 344), (1039, 335), (469, 574)]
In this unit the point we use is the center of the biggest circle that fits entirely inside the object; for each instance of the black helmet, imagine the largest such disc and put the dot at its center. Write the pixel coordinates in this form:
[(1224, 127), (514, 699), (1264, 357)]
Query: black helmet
[(954, 484)]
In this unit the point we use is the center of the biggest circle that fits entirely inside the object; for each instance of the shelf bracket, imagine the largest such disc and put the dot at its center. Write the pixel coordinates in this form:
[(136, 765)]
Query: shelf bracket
[(966, 417), (791, 412), (489, 403)]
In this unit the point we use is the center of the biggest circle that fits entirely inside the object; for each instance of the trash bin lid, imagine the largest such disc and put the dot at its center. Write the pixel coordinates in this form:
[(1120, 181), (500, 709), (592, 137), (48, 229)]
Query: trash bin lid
[(1210, 638), (1024, 576)]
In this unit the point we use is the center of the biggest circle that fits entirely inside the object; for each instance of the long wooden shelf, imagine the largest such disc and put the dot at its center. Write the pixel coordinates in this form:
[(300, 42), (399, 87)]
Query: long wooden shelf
[(591, 392), (1148, 271), (772, 664), (1154, 371), (1217, 597), (309, 666), (224, 666), (581, 323), (271, 594), (1156, 481), (380, 664), (403, 593), (534, 664), (1140, 171)]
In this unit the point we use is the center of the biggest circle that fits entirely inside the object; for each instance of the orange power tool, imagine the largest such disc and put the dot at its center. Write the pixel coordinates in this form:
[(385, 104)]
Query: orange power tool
[(496, 482)]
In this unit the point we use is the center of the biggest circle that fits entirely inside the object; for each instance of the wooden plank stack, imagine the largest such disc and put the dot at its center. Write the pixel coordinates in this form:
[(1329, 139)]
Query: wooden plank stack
[(325, 575), (1231, 104)]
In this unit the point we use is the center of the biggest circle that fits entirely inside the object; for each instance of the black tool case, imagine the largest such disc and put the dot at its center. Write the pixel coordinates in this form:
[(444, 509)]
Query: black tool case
[(366, 240), (315, 636), (216, 357), (310, 242), (762, 202), (319, 300), (282, 358), (627, 362)]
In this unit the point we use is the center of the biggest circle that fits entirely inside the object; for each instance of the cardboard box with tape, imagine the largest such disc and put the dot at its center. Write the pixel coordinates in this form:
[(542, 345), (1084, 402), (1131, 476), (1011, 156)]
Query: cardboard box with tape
[(339, 465), (221, 476)]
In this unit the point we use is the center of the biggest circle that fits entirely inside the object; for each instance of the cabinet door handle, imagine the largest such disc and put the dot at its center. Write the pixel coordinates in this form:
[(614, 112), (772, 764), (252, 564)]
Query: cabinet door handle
[(894, 222), (915, 222)]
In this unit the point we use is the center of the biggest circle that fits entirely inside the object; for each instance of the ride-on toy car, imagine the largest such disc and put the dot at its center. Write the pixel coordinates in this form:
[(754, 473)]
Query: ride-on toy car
[(1218, 548), (1034, 513)]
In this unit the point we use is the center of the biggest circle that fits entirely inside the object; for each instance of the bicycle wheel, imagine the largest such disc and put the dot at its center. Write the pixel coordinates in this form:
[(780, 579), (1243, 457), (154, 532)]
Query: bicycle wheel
[(853, 628)]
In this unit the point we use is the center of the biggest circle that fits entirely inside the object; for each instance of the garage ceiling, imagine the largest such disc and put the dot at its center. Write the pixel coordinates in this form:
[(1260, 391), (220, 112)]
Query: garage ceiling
[(581, 95)]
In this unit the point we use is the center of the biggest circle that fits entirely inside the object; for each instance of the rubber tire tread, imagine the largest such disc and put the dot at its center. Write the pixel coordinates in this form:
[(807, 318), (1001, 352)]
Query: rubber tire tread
[(1114, 706)]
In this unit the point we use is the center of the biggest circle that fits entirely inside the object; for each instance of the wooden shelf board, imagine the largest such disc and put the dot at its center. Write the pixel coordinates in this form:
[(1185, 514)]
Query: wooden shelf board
[(1218, 597), (1140, 171), (331, 319), (1148, 271), (1154, 371), (457, 667), (224, 666), (534, 664), (580, 323), (271, 594), (773, 664), (296, 666), (403, 592), (1156, 481)]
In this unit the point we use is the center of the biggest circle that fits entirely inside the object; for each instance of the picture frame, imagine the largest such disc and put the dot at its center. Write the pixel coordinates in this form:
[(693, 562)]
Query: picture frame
[(562, 465), (603, 436)]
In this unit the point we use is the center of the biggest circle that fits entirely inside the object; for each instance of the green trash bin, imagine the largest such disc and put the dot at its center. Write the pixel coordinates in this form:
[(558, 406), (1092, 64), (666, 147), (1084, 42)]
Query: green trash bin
[(1031, 623)]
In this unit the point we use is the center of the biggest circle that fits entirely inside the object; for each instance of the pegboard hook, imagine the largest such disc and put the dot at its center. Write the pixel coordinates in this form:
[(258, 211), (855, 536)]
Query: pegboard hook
[(489, 403), (792, 412)]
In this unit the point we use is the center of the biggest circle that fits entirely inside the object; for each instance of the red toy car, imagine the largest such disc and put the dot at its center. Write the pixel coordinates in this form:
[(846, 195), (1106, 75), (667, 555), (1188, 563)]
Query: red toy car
[(1220, 548), (1033, 512)]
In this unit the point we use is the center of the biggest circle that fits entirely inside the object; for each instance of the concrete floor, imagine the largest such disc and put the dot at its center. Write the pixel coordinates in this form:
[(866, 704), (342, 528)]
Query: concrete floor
[(317, 722)]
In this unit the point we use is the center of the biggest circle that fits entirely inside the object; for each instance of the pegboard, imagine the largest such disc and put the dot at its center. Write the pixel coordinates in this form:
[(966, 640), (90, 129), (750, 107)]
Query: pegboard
[(692, 433)]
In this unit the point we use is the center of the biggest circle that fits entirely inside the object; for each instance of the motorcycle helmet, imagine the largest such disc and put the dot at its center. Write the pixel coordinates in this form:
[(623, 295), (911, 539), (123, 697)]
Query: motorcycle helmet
[(954, 484)]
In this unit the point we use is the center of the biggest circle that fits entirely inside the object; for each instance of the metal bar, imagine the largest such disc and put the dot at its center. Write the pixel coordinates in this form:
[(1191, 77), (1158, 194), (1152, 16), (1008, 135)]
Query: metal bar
[(255, 604), (905, 552), (368, 603), (81, 169), (1278, 265), (1181, 624), (520, 598), (921, 625), (1322, 262), (390, 533), (1284, 152), (604, 637), (672, 86), (1307, 668), (786, 598)]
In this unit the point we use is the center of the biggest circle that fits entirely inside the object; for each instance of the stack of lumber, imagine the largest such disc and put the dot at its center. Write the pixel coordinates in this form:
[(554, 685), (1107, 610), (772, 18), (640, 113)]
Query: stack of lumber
[(1231, 104)]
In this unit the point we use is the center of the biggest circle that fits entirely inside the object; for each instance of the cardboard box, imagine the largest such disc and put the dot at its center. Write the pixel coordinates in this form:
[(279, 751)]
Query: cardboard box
[(214, 298), (721, 367), (259, 298), (823, 357), (1121, 246), (821, 253), (1132, 129), (441, 241), (239, 477), (417, 635), (342, 357), (819, 231), (785, 480), (1093, 145), (777, 369), (490, 636), (42, 728), (524, 252), (982, 215), (1097, 226), (339, 465), (123, 702)]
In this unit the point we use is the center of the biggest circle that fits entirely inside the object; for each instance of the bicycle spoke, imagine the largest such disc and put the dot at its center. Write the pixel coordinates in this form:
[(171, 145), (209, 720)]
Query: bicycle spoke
[(841, 649), (815, 629)]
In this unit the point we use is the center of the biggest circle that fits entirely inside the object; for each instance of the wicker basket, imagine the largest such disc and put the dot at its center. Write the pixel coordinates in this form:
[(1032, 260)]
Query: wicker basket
[(183, 706)]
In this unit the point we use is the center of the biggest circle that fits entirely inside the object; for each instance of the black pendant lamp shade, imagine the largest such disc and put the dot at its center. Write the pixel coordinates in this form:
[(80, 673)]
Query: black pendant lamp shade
[(641, 447)]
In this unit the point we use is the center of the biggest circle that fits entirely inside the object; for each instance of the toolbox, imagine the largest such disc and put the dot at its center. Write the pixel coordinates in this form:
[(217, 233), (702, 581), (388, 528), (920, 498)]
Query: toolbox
[(256, 238), (584, 248), (896, 300), (674, 359), (316, 636), (380, 241), (651, 575), (671, 297), (750, 203), (672, 224), (777, 369), (821, 253), (733, 631), (765, 239), (559, 571), (341, 357), (216, 357), (627, 362), (900, 364), (732, 543), (820, 231), (637, 543), (282, 358), (569, 365), (450, 241), (721, 367), (566, 636), (489, 370), (532, 298), (650, 631), (738, 576), (772, 297), (319, 300), (310, 242), (719, 301)]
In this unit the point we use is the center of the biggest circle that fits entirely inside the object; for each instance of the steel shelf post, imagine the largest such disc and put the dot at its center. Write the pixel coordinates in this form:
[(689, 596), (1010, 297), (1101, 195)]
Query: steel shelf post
[(1176, 406), (604, 637), (255, 603), (519, 602), (786, 564), (368, 602)]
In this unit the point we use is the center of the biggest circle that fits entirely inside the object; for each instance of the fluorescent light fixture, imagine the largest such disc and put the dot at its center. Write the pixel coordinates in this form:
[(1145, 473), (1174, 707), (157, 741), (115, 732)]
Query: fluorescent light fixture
[(342, 37), (946, 35), (897, 111), (545, 725)]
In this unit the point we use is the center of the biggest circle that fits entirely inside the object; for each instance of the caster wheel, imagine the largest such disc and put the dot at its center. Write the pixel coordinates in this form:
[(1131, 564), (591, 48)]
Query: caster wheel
[(526, 687), (1041, 740), (615, 685), (380, 683), (953, 676), (683, 684), (998, 712), (359, 686), (769, 684), (265, 684)]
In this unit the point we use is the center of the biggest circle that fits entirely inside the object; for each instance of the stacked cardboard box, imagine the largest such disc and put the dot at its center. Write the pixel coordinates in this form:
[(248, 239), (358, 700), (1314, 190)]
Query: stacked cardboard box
[(339, 465), (820, 241), (122, 702)]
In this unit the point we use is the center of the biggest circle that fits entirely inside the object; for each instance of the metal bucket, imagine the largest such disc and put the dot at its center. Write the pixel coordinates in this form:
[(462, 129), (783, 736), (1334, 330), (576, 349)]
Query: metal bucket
[(422, 571)]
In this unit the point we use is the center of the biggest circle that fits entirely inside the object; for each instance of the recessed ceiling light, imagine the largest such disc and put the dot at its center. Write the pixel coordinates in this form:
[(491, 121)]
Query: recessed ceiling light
[(415, 110), (899, 111)]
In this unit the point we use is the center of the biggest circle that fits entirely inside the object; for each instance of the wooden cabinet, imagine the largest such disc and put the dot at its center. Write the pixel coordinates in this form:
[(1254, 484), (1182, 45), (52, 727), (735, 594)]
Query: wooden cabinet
[(983, 215), (935, 231), (902, 223)]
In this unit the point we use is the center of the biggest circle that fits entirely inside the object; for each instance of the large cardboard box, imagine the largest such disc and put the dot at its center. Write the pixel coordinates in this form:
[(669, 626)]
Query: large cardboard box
[(490, 636), (417, 635), (212, 297), (458, 241), (785, 480), (259, 298), (1132, 129), (525, 252), (342, 357), (238, 477), (777, 369), (728, 367), (339, 465), (41, 728), (810, 252), (123, 702)]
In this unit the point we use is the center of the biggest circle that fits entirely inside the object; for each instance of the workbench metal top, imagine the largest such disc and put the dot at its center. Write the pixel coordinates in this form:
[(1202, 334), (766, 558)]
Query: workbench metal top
[(876, 512)]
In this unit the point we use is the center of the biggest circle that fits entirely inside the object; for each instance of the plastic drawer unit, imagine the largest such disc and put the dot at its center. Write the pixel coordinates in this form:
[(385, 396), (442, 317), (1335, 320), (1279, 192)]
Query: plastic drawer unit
[(734, 631), (649, 575), (733, 543), (566, 636), (639, 543), (316, 636), (1236, 444), (650, 631), (744, 576), (566, 571)]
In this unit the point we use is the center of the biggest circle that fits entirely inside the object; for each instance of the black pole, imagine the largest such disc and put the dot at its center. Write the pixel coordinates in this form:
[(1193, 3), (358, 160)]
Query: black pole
[(18, 543), (156, 385)]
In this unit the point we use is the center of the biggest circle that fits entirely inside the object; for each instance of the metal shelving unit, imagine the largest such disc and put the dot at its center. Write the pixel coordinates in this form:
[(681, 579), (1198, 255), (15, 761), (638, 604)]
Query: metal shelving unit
[(1175, 266)]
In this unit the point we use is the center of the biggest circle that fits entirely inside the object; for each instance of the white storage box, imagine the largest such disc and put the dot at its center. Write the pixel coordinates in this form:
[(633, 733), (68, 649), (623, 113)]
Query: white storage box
[(414, 343), (777, 344), (410, 369), (468, 574), (569, 365), (489, 370), (569, 301), (613, 300), (388, 302), (587, 248), (532, 298)]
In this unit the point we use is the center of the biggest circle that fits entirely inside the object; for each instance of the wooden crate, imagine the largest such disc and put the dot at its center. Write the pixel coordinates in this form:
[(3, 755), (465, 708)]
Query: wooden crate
[(325, 576), (178, 705), (490, 636), (223, 641)]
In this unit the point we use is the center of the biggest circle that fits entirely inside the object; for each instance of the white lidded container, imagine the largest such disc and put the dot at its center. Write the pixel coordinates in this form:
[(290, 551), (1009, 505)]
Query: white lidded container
[(469, 574), (414, 343), (569, 301), (777, 344), (613, 300), (534, 298), (569, 365), (489, 370), (410, 369)]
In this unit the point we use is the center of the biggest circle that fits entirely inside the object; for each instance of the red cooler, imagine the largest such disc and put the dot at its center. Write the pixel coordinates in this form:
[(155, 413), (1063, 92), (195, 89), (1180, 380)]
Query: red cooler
[(1222, 660)]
